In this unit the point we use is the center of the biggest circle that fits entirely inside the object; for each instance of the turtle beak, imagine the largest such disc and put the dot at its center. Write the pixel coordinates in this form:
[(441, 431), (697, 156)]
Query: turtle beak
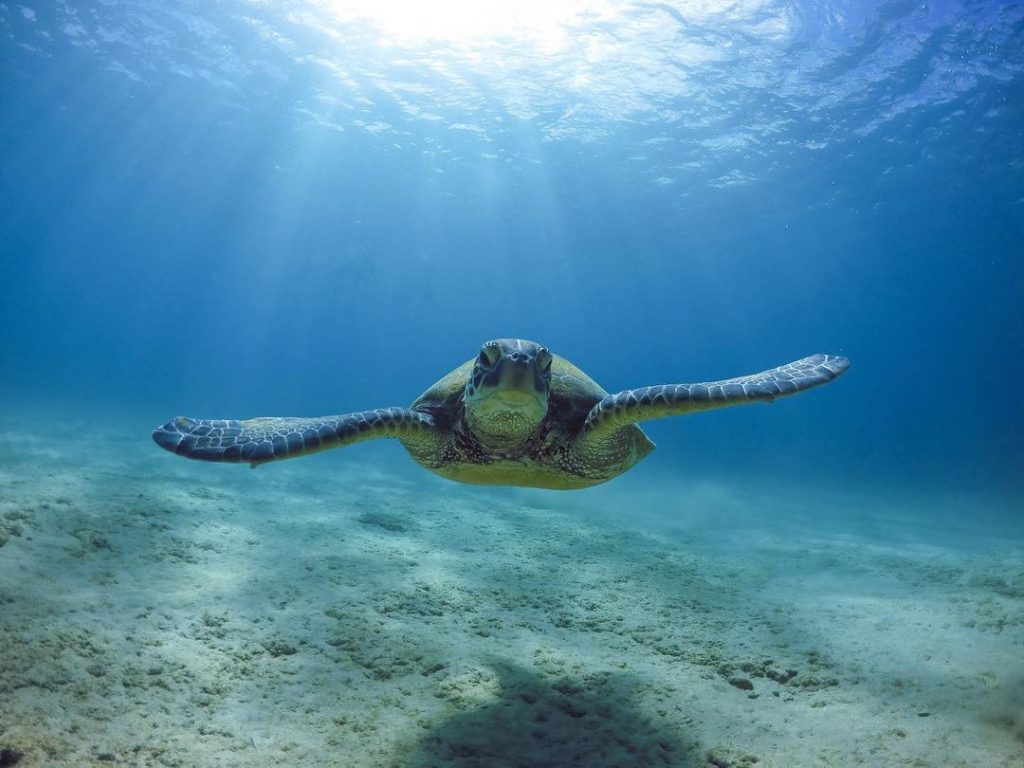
[(517, 382), (515, 374)]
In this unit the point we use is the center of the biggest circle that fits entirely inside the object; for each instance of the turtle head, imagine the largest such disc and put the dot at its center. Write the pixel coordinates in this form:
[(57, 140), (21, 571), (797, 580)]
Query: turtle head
[(506, 396)]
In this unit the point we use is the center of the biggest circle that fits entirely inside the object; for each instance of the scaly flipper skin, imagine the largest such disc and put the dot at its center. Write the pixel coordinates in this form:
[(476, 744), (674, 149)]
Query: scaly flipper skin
[(602, 441), (635, 405), (268, 438)]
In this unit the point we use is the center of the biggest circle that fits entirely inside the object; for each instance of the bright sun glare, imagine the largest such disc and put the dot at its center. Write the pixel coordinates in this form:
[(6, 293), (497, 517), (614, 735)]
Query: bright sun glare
[(473, 22)]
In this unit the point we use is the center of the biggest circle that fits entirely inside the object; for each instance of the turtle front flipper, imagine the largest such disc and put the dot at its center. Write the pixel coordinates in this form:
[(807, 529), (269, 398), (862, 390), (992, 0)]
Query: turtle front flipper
[(605, 435), (264, 439), (634, 405)]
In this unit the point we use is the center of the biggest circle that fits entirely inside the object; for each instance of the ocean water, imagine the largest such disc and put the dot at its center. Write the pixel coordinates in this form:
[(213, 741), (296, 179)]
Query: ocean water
[(242, 208)]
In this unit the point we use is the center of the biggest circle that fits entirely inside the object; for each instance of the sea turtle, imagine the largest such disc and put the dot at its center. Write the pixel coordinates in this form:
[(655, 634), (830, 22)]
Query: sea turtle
[(515, 414)]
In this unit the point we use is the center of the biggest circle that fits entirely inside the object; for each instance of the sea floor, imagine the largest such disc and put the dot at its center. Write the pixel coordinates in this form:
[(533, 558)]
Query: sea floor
[(337, 611)]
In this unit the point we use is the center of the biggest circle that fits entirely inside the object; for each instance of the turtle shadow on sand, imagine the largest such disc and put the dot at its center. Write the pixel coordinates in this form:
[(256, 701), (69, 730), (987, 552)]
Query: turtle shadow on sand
[(533, 719)]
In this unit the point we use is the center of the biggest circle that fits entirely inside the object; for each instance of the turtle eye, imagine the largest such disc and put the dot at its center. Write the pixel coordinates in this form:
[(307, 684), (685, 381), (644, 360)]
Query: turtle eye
[(544, 357), (487, 355)]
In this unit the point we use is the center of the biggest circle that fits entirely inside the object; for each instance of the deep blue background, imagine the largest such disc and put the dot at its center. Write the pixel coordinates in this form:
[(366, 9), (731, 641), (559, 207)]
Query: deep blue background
[(173, 242)]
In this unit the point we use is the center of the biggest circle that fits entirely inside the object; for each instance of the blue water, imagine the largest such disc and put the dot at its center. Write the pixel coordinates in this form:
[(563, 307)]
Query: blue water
[(242, 210)]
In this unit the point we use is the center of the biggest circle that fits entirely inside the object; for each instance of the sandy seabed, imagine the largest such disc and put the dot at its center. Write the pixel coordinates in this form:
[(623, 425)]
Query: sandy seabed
[(339, 612)]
